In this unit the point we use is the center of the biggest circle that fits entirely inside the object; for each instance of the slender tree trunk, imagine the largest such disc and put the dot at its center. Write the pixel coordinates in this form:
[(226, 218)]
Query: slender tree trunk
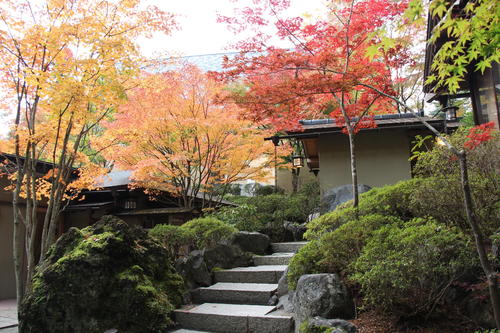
[(354, 171), (491, 276), (295, 179), (18, 247)]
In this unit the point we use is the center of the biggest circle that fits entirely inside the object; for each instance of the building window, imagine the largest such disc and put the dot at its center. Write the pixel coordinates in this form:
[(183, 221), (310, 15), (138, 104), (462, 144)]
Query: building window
[(130, 204)]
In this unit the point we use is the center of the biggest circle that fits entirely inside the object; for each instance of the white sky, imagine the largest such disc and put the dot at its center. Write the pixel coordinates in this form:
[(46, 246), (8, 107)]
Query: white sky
[(199, 31)]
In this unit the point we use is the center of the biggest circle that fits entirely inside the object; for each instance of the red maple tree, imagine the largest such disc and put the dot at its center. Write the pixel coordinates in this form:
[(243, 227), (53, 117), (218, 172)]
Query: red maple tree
[(324, 74)]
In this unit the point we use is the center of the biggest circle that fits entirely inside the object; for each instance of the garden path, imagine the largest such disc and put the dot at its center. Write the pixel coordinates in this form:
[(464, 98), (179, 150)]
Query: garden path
[(238, 301)]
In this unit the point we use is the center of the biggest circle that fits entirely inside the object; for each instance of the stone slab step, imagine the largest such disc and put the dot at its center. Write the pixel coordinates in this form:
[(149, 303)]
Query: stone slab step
[(287, 247), (278, 258), (235, 293), (182, 330), (232, 318), (252, 274)]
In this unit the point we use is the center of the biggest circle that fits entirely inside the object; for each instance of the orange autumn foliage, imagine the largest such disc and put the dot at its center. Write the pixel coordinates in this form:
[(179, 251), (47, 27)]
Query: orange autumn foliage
[(65, 67), (176, 138)]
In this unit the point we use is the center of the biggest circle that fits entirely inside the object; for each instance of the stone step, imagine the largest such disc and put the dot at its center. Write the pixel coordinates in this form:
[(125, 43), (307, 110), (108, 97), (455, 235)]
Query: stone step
[(278, 258), (235, 293), (287, 247), (232, 318), (182, 330), (252, 274)]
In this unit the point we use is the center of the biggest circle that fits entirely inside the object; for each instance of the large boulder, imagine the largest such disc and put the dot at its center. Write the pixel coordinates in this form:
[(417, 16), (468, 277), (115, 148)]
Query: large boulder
[(335, 325), (295, 231), (194, 270), (283, 284), (227, 256), (323, 295), (338, 195), (254, 242), (106, 276)]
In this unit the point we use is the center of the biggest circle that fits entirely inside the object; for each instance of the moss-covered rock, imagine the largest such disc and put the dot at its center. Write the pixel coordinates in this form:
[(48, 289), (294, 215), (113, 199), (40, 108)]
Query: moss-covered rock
[(105, 276)]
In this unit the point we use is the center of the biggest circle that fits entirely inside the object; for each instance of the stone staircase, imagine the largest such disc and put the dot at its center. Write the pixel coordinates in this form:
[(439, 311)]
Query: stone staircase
[(237, 302)]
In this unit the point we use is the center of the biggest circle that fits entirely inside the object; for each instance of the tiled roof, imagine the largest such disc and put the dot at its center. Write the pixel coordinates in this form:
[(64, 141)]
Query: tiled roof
[(380, 120)]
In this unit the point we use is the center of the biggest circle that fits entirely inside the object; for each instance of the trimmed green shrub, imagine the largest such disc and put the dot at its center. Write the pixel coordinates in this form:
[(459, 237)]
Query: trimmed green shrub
[(336, 250), (306, 261), (406, 269), (343, 246), (173, 238), (394, 200), (208, 231), (329, 222)]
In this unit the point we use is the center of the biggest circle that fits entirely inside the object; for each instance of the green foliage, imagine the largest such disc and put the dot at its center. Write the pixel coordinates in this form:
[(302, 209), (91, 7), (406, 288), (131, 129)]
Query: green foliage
[(467, 120), (266, 213), (335, 250), (173, 238), (306, 328), (473, 38), (260, 190), (394, 200), (329, 222), (440, 194), (208, 231), (306, 261), (108, 275), (244, 217), (343, 246), (405, 270)]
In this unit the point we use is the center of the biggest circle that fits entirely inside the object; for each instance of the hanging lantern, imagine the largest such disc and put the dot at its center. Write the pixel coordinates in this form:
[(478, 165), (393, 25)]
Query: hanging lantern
[(297, 161)]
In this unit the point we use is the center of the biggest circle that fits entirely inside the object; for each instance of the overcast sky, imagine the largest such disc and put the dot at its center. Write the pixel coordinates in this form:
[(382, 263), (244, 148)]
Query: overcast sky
[(199, 31)]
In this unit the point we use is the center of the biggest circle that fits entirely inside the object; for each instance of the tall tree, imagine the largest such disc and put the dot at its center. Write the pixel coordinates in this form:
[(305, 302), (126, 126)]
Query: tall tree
[(316, 77), (473, 39), (177, 138), (65, 67)]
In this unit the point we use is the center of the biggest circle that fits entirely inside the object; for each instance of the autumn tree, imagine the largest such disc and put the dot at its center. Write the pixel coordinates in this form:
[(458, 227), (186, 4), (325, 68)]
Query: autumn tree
[(177, 138), (317, 76), (472, 42), (66, 65)]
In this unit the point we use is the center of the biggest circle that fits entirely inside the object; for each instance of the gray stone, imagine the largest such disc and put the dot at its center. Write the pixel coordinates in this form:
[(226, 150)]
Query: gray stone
[(227, 256), (194, 270), (283, 284), (254, 242), (279, 258), (338, 195), (273, 300), (235, 293), (323, 295), (339, 325), (295, 230), (289, 247), (233, 318), (254, 274), (285, 303)]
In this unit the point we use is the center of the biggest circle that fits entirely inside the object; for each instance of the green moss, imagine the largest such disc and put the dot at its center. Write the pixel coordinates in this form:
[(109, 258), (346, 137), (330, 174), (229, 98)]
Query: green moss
[(305, 327), (113, 276)]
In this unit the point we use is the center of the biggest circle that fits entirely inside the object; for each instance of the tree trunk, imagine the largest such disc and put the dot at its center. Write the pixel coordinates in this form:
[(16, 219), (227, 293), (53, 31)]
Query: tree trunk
[(354, 172), (491, 276), (17, 245), (295, 179)]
